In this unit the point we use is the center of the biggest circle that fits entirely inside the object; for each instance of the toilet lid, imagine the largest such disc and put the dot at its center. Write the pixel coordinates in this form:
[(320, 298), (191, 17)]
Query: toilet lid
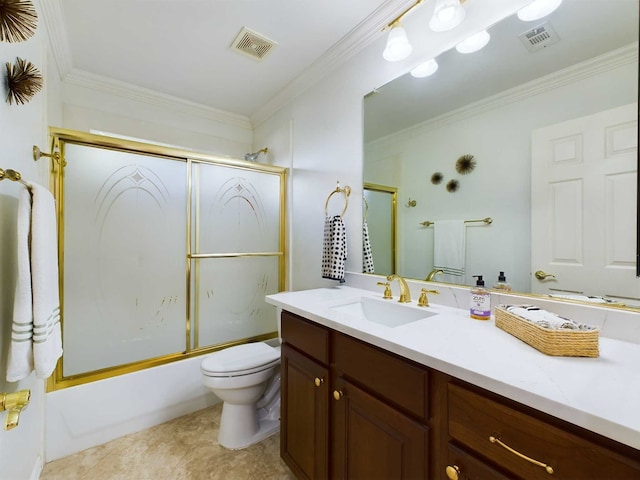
[(240, 360)]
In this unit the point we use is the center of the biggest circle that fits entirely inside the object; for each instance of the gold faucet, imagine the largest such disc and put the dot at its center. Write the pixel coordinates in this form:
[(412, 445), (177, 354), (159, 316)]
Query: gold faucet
[(14, 402), (423, 301), (432, 274), (405, 294)]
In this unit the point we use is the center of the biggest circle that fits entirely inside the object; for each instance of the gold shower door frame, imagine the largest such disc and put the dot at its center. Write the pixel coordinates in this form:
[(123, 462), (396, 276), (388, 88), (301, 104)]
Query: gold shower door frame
[(59, 139)]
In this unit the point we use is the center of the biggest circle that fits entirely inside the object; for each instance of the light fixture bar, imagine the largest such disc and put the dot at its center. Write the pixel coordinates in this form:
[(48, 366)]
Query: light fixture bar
[(396, 21)]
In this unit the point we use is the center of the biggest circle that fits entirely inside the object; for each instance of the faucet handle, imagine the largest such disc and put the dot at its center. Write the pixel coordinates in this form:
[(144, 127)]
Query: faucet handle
[(387, 290), (423, 301)]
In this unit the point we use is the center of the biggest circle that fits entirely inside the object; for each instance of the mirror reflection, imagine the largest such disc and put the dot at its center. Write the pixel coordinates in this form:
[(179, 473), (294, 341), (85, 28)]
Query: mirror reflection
[(379, 229), (507, 133)]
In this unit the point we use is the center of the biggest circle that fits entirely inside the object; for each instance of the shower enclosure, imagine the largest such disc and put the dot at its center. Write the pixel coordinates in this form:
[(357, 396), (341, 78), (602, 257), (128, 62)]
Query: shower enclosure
[(163, 253)]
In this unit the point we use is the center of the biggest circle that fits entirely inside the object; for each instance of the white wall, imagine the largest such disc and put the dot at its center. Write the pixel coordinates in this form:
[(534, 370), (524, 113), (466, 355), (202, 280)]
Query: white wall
[(499, 136), (21, 127), (114, 108)]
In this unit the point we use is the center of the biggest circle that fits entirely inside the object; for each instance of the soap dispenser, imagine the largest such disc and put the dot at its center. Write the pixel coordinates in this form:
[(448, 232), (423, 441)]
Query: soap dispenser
[(480, 301), (502, 284)]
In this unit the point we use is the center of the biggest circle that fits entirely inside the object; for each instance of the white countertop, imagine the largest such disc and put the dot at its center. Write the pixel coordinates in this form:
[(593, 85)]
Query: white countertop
[(600, 394)]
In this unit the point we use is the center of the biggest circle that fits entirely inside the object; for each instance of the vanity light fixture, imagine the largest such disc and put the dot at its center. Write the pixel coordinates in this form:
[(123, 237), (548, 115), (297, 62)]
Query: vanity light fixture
[(538, 9), (425, 69), (398, 46), (474, 42), (447, 14)]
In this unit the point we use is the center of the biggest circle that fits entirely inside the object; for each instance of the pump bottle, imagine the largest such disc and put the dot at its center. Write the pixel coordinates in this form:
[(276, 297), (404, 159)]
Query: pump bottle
[(480, 301), (502, 284)]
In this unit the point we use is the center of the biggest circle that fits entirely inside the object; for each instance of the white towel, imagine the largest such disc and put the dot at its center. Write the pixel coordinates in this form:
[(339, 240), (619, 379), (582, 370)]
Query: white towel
[(334, 248), (546, 319), (36, 339), (367, 254), (449, 250)]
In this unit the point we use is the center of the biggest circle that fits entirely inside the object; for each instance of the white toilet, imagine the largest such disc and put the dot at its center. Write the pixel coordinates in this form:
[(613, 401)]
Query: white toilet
[(247, 379)]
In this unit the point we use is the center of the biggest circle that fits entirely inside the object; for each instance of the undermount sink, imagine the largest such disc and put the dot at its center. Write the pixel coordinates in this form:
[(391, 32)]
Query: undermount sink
[(385, 312)]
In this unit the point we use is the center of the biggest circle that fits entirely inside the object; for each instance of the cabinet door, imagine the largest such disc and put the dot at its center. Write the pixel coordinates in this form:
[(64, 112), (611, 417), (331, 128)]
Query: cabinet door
[(371, 440), (304, 415)]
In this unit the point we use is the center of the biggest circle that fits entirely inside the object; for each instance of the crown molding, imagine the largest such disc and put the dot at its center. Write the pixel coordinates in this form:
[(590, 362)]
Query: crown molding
[(594, 66), (53, 16), (99, 83), (365, 33)]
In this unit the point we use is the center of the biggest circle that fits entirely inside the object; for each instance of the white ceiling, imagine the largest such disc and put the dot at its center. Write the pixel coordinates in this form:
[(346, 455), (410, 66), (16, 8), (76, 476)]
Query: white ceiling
[(181, 48)]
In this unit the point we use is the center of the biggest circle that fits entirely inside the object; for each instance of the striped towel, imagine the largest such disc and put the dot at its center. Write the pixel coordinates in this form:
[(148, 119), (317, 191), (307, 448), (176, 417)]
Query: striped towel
[(334, 248), (36, 340)]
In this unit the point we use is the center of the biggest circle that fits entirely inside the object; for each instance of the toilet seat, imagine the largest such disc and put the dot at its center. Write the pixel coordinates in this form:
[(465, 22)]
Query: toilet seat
[(240, 360)]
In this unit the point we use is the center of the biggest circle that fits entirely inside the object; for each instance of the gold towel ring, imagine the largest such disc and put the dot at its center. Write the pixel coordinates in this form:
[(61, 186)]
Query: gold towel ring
[(346, 191)]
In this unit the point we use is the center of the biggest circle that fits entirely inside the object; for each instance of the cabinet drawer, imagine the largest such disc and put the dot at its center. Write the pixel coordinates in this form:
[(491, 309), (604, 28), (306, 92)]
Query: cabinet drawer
[(384, 374), (515, 441), (307, 337)]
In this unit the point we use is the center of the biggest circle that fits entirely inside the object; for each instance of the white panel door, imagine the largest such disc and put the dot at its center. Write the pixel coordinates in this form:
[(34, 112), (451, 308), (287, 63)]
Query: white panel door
[(584, 188)]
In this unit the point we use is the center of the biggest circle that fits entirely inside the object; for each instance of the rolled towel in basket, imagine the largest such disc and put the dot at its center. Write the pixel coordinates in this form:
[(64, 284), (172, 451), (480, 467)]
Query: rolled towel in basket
[(546, 319)]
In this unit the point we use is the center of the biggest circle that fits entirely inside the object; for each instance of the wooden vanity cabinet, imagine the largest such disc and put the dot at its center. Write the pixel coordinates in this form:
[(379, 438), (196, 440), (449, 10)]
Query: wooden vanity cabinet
[(304, 429), (525, 443), (378, 413), (351, 410), (371, 423)]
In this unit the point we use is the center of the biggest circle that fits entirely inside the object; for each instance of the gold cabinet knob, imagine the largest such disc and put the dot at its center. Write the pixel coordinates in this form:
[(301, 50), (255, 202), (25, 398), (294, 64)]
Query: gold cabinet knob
[(337, 394), (453, 472), (318, 381)]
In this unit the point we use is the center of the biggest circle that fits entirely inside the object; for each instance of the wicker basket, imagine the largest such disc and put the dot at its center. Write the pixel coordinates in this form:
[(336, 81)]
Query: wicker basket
[(567, 343)]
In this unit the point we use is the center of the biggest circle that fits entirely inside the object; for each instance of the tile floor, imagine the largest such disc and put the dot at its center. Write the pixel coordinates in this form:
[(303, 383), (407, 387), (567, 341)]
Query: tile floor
[(185, 448)]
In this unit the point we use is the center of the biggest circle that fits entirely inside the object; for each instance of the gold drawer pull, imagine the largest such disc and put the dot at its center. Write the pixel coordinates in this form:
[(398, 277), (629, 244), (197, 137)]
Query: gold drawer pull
[(453, 472), (337, 394), (548, 468), (318, 381)]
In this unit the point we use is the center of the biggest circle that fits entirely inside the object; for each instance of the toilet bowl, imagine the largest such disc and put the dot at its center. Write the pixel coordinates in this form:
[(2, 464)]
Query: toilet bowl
[(247, 379)]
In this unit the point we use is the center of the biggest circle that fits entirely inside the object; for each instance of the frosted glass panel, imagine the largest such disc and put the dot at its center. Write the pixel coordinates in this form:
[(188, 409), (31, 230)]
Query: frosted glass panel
[(124, 258), (238, 210), (230, 298)]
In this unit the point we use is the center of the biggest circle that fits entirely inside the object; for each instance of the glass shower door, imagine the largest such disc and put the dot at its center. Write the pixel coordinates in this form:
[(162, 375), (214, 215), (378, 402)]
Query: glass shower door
[(236, 253), (124, 268)]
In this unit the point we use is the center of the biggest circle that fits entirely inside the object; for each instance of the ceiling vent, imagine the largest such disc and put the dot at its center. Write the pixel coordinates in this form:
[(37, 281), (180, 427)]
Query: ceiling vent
[(252, 44), (539, 37)]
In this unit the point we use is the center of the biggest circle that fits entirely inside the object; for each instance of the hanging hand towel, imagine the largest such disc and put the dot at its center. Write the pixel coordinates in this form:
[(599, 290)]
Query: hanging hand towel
[(367, 254), (20, 360), (36, 340), (449, 250), (334, 248)]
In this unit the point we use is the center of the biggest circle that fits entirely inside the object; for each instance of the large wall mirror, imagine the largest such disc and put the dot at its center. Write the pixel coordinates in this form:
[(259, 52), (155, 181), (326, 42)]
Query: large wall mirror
[(538, 131)]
